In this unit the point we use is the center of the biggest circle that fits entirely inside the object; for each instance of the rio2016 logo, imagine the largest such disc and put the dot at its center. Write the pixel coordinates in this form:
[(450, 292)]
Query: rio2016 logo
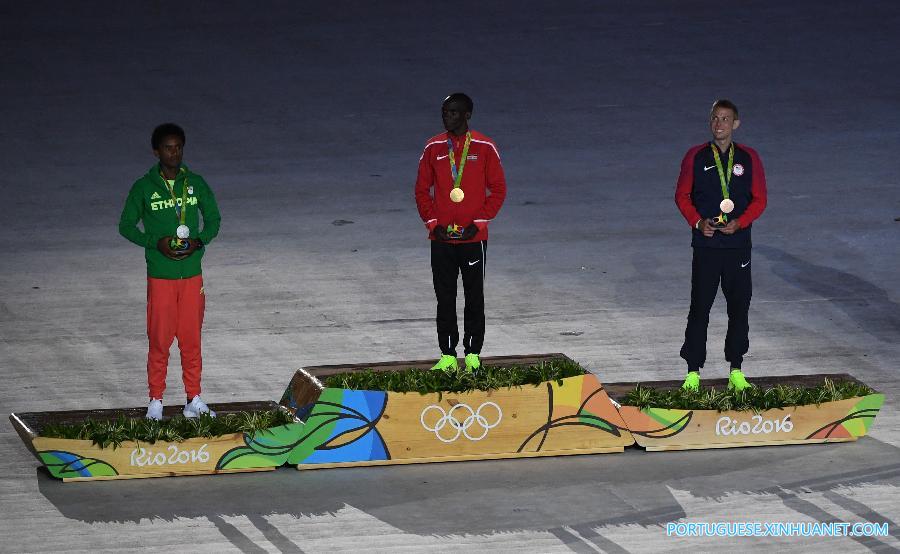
[(728, 426), (141, 457)]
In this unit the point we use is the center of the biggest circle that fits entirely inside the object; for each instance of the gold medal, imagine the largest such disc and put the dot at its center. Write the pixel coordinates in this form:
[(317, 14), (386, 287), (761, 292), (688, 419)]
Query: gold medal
[(727, 206), (457, 195)]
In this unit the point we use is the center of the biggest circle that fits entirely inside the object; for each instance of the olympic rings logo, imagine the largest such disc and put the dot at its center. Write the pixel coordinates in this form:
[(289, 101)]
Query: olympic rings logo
[(456, 427)]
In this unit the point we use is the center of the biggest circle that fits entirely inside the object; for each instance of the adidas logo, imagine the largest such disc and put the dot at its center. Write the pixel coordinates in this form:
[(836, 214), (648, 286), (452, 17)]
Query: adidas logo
[(155, 196)]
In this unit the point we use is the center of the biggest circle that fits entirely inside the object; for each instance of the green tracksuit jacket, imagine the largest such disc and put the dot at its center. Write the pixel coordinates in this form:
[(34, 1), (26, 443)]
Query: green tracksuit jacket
[(151, 203)]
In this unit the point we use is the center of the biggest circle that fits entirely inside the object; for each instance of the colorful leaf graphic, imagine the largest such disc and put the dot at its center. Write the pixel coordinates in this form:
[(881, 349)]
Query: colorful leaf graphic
[(346, 431), (856, 423), (656, 423), (66, 465), (579, 391), (263, 449)]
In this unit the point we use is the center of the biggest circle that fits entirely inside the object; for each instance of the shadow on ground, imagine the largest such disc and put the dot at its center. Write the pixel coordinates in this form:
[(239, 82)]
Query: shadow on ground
[(549, 494), (868, 305)]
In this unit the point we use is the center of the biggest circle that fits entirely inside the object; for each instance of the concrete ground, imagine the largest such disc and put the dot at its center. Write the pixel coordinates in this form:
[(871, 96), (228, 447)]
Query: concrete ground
[(308, 120)]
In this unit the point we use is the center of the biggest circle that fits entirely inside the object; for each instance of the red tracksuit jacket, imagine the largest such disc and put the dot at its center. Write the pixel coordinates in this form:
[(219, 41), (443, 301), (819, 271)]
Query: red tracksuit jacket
[(483, 184)]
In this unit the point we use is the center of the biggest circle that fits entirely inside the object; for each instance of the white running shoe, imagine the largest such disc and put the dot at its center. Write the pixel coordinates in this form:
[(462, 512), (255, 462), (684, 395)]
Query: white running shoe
[(154, 410), (196, 407)]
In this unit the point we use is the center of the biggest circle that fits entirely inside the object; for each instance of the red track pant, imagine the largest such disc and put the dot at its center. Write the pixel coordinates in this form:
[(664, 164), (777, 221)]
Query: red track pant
[(174, 309)]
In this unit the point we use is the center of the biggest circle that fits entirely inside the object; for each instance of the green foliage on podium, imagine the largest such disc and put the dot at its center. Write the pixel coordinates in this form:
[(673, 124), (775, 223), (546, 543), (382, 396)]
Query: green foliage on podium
[(485, 378), (122, 429), (752, 399)]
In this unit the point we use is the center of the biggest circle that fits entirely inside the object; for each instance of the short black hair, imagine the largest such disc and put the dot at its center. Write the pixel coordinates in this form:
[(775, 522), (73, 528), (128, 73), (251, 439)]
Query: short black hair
[(461, 97), (724, 103), (163, 131)]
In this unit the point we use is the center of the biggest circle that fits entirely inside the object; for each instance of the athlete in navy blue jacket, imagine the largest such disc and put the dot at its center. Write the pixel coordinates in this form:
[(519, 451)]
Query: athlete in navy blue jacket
[(721, 190)]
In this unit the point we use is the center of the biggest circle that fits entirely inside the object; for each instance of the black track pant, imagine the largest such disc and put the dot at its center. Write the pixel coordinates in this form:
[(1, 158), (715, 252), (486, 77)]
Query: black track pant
[(448, 260), (710, 267)]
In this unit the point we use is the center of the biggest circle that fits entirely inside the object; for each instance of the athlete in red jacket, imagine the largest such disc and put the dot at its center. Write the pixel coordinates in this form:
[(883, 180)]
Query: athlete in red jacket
[(459, 189)]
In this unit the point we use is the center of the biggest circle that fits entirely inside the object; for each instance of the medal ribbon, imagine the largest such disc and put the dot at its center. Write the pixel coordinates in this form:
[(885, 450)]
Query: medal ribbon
[(457, 175), (180, 211), (722, 179)]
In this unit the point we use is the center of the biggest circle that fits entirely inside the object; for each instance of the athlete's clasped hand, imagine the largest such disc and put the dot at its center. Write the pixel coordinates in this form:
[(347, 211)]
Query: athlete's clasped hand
[(731, 228), (164, 245), (708, 227), (441, 234), (469, 232)]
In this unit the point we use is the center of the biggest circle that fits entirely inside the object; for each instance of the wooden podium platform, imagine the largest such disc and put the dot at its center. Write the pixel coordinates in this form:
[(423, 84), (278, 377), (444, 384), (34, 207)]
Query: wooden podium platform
[(336, 427), (353, 428), (659, 429), (81, 460)]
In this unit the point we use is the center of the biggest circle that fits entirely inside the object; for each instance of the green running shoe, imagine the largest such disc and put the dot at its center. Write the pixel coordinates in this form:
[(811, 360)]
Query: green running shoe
[(446, 362), (473, 362), (737, 381), (692, 382)]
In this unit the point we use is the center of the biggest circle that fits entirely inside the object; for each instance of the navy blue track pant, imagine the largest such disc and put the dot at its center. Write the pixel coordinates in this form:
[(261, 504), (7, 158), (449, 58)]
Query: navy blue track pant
[(710, 268)]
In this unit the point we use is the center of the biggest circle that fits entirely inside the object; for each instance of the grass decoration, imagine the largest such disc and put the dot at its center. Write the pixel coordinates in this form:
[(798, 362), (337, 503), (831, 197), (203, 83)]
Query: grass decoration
[(115, 432), (426, 381), (753, 399)]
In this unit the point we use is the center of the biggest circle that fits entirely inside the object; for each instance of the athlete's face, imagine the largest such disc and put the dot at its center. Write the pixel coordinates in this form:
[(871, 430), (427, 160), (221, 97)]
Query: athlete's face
[(170, 151), (455, 116), (722, 123)]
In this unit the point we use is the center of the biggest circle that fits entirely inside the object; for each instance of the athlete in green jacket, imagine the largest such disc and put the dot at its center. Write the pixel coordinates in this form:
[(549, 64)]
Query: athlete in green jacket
[(169, 201), (151, 203)]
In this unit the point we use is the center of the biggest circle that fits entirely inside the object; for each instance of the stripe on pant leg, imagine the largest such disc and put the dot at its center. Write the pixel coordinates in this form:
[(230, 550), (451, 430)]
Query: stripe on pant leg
[(483, 264)]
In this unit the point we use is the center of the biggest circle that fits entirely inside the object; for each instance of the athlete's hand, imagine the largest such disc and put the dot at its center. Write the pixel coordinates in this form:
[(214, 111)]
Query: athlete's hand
[(469, 232), (193, 246), (440, 234), (731, 227), (164, 246), (707, 228)]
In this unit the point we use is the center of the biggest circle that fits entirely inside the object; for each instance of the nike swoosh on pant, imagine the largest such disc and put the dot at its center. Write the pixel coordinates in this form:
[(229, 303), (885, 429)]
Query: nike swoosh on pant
[(475, 262), (745, 265)]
